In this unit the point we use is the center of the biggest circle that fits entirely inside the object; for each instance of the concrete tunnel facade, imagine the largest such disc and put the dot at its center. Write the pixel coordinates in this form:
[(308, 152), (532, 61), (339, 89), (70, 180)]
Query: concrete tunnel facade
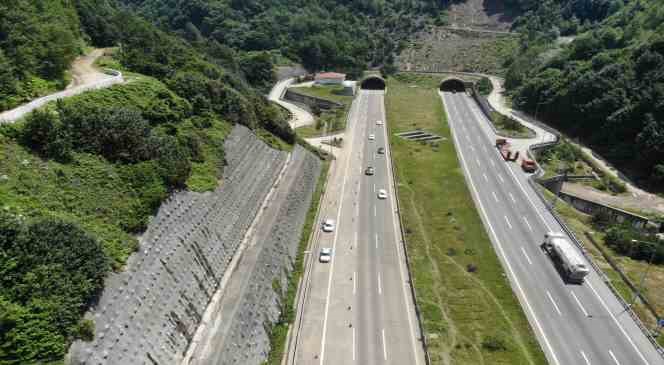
[(373, 83), (453, 84)]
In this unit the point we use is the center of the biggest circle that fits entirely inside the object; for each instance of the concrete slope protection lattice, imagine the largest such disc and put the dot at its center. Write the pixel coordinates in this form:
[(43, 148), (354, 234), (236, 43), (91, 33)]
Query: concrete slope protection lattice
[(149, 313)]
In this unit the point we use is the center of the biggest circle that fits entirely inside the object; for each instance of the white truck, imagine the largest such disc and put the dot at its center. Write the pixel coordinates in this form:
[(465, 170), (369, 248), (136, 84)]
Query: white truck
[(561, 250)]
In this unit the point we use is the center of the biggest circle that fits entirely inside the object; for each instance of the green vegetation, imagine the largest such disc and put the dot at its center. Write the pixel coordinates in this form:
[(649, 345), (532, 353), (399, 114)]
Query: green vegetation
[(279, 331), (51, 270), (605, 85), (327, 121), (470, 313), (38, 42), (510, 127), (566, 157)]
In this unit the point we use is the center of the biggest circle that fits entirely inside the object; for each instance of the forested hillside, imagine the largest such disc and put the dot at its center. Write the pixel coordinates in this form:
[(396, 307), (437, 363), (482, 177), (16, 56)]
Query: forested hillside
[(606, 86), (344, 35), (80, 179), (38, 41)]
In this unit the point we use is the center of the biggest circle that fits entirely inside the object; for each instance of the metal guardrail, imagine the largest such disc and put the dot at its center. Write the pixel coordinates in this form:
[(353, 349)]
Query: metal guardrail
[(15, 114), (535, 186)]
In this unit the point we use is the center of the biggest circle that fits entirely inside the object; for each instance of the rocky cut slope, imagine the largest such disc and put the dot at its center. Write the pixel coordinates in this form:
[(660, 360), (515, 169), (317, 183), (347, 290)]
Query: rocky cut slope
[(150, 312)]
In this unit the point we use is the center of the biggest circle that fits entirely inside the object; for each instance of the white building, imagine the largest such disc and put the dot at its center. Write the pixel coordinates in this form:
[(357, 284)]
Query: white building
[(329, 78)]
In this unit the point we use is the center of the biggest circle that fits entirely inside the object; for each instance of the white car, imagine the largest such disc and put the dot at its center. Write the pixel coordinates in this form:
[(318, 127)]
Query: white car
[(328, 225), (372, 137), (325, 255), (382, 194), (379, 122)]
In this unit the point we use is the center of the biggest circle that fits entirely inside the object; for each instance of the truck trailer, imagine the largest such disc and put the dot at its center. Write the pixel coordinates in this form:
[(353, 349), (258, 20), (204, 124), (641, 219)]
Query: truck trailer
[(561, 250)]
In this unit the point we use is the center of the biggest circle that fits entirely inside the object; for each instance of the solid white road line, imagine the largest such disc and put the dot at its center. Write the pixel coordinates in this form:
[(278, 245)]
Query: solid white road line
[(495, 197), (500, 177), (512, 197), (380, 288), (384, 346), (606, 307), (554, 303), (508, 222), (354, 282), (585, 313), (492, 231), (405, 287), (334, 244), (353, 343), (614, 357), (526, 255), (527, 224), (583, 354)]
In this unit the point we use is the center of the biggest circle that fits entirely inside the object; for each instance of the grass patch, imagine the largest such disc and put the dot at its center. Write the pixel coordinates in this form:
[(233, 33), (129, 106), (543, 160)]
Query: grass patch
[(469, 318), (327, 122), (509, 127), (581, 223), (279, 331)]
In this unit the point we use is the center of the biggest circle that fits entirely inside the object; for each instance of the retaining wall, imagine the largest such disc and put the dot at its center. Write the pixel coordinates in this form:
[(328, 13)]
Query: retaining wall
[(615, 214), (149, 313), (310, 101)]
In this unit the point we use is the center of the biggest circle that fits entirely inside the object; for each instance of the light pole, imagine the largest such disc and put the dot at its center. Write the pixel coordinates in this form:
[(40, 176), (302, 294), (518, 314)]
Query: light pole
[(639, 289)]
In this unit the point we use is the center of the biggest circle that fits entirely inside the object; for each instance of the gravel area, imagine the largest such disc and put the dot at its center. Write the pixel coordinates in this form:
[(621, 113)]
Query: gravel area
[(149, 313)]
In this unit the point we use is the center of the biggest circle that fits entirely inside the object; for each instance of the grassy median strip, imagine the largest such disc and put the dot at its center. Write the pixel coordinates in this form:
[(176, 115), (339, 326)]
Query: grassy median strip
[(335, 120), (470, 313)]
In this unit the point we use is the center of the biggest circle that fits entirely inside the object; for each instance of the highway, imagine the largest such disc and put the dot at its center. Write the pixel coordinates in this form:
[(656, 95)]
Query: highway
[(358, 308), (575, 324)]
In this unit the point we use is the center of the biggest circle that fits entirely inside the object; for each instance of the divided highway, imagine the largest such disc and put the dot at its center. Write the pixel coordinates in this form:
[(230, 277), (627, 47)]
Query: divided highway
[(575, 324), (358, 308)]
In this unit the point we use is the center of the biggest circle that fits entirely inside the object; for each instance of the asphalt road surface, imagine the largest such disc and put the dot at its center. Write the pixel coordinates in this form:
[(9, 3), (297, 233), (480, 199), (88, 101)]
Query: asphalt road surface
[(575, 324), (358, 308)]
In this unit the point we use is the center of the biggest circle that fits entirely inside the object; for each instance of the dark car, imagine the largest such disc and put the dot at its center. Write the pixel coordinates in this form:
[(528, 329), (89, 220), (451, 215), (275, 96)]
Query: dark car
[(381, 150), (369, 171)]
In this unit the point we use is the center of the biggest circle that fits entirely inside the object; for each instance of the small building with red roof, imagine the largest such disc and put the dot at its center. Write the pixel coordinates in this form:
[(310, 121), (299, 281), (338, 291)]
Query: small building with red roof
[(329, 78)]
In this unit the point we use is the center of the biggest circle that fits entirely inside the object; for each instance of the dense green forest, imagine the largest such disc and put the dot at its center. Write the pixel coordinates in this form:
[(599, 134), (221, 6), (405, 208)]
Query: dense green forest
[(347, 35), (604, 83)]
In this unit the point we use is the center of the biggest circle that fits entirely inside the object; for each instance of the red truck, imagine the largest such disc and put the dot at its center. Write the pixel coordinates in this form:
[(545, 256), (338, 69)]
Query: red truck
[(504, 147), (528, 165)]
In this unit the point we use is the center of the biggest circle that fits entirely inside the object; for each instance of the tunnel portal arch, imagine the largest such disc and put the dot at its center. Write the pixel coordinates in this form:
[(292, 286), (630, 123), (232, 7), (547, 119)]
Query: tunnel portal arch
[(373, 83), (453, 84)]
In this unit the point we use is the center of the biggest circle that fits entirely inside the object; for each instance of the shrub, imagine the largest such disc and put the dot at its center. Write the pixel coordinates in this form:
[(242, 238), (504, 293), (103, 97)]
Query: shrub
[(494, 343)]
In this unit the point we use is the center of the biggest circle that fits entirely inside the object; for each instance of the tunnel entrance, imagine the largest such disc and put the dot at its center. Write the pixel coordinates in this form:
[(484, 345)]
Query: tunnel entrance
[(454, 85), (373, 83)]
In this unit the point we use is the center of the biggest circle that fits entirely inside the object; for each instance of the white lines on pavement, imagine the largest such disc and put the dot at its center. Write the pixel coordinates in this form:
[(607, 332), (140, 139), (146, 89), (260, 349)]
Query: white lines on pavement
[(512, 197), (554, 303), (354, 282), (614, 357), (492, 231), (376, 239), (583, 354), (353, 343), (617, 323), (467, 138), (380, 288), (585, 313), (485, 178), (478, 162), (528, 224), (526, 255), (375, 212), (493, 164), (500, 177), (374, 185), (384, 346), (495, 197), (508, 222), (485, 150), (472, 148)]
